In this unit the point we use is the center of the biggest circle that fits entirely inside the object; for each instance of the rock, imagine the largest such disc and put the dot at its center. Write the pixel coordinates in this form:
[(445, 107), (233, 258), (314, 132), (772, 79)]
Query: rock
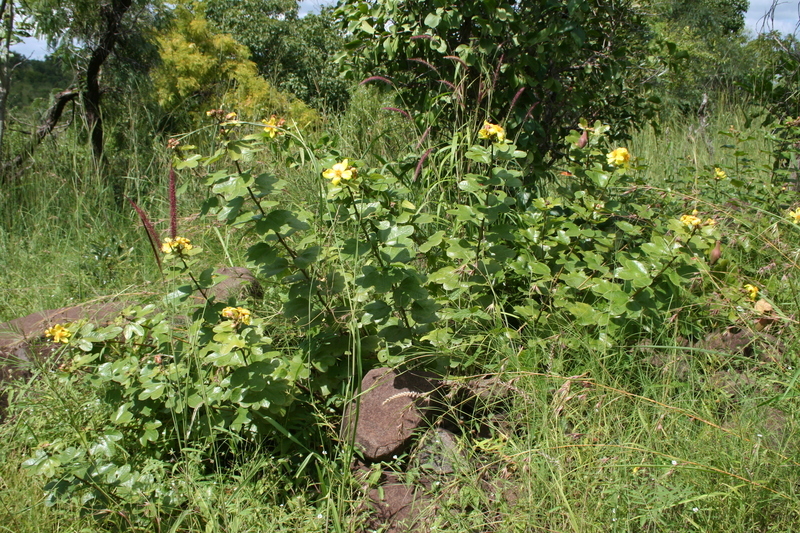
[(33, 326), (768, 348), (391, 407), (440, 453), (20, 339), (398, 507), (677, 365), (730, 340), (234, 282), (733, 384)]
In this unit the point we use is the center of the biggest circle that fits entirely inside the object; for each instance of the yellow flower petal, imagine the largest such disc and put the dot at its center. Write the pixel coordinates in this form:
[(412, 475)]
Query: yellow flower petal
[(340, 171), (751, 290), (58, 333), (619, 157), (492, 131)]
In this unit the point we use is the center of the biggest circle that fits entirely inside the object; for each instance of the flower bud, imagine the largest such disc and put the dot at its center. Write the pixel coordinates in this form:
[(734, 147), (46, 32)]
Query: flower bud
[(716, 253)]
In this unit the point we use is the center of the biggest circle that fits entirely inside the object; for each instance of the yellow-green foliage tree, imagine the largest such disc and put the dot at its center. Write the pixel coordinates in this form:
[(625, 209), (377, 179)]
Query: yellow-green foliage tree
[(201, 69)]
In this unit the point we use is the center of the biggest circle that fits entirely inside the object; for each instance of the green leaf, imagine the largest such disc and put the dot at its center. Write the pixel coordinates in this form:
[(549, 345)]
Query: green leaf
[(584, 314), (380, 280), (628, 228), (438, 337), (152, 391), (84, 345), (190, 162), (194, 401), (424, 311), (448, 277), (432, 20), (576, 280), (479, 154), (634, 271), (122, 415), (307, 257), (396, 234), (433, 240), (600, 179), (460, 249), (180, 294), (376, 311)]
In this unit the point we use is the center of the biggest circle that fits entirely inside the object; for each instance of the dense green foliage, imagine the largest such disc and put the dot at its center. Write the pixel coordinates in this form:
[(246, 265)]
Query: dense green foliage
[(609, 297), (34, 79), (537, 67), (293, 53), (202, 69), (709, 36), (774, 76)]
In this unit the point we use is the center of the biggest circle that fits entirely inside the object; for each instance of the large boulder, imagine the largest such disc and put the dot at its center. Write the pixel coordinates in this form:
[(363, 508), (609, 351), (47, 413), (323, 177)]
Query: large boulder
[(391, 408)]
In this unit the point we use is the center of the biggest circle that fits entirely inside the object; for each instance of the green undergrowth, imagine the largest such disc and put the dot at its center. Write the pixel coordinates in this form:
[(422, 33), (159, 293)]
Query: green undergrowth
[(604, 293)]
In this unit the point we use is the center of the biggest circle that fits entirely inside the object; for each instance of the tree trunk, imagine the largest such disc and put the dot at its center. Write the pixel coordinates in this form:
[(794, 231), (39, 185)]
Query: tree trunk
[(48, 124), (111, 13), (7, 16)]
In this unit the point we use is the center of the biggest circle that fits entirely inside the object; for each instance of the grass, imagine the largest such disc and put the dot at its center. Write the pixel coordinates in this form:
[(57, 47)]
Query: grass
[(666, 435)]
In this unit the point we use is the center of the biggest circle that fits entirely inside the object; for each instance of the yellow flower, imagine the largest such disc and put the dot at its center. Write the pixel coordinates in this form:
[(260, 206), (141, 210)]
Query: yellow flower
[(794, 215), (719, 174), (273, 126), (177, 245), (238, 315), (709, 222), (691, 221), (619, 157), (58, 333), (338, 172), (752, 291), (493, 132), (231, 116)]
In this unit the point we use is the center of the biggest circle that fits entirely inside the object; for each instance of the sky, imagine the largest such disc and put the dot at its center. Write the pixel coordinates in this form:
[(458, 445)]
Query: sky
[(785, 21), (786, 16)]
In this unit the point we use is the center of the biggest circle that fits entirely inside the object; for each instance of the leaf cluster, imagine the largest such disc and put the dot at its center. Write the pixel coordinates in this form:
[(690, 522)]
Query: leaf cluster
[(535, 66)]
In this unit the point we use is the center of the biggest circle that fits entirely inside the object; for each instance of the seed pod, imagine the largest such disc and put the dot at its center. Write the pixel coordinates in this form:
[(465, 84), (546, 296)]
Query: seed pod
[(584, 139), (716, 253)]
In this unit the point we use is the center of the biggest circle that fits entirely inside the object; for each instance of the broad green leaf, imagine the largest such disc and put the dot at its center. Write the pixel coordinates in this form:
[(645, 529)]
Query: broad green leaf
[(306, 257), (122, 415), (433, 240), (634, 271), (432, 20)]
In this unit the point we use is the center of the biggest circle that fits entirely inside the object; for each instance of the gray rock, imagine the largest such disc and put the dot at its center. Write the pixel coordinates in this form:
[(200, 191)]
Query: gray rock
[(391, 408), (440, 453), (234, 282)]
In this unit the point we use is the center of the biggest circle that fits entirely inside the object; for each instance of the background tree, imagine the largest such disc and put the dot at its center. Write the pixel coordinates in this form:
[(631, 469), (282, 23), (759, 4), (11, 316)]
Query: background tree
[(13, 26), (87, 32), (710, 35), (201, 68), (538, 66), (293, 53), (34, 79), (7, 22)]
